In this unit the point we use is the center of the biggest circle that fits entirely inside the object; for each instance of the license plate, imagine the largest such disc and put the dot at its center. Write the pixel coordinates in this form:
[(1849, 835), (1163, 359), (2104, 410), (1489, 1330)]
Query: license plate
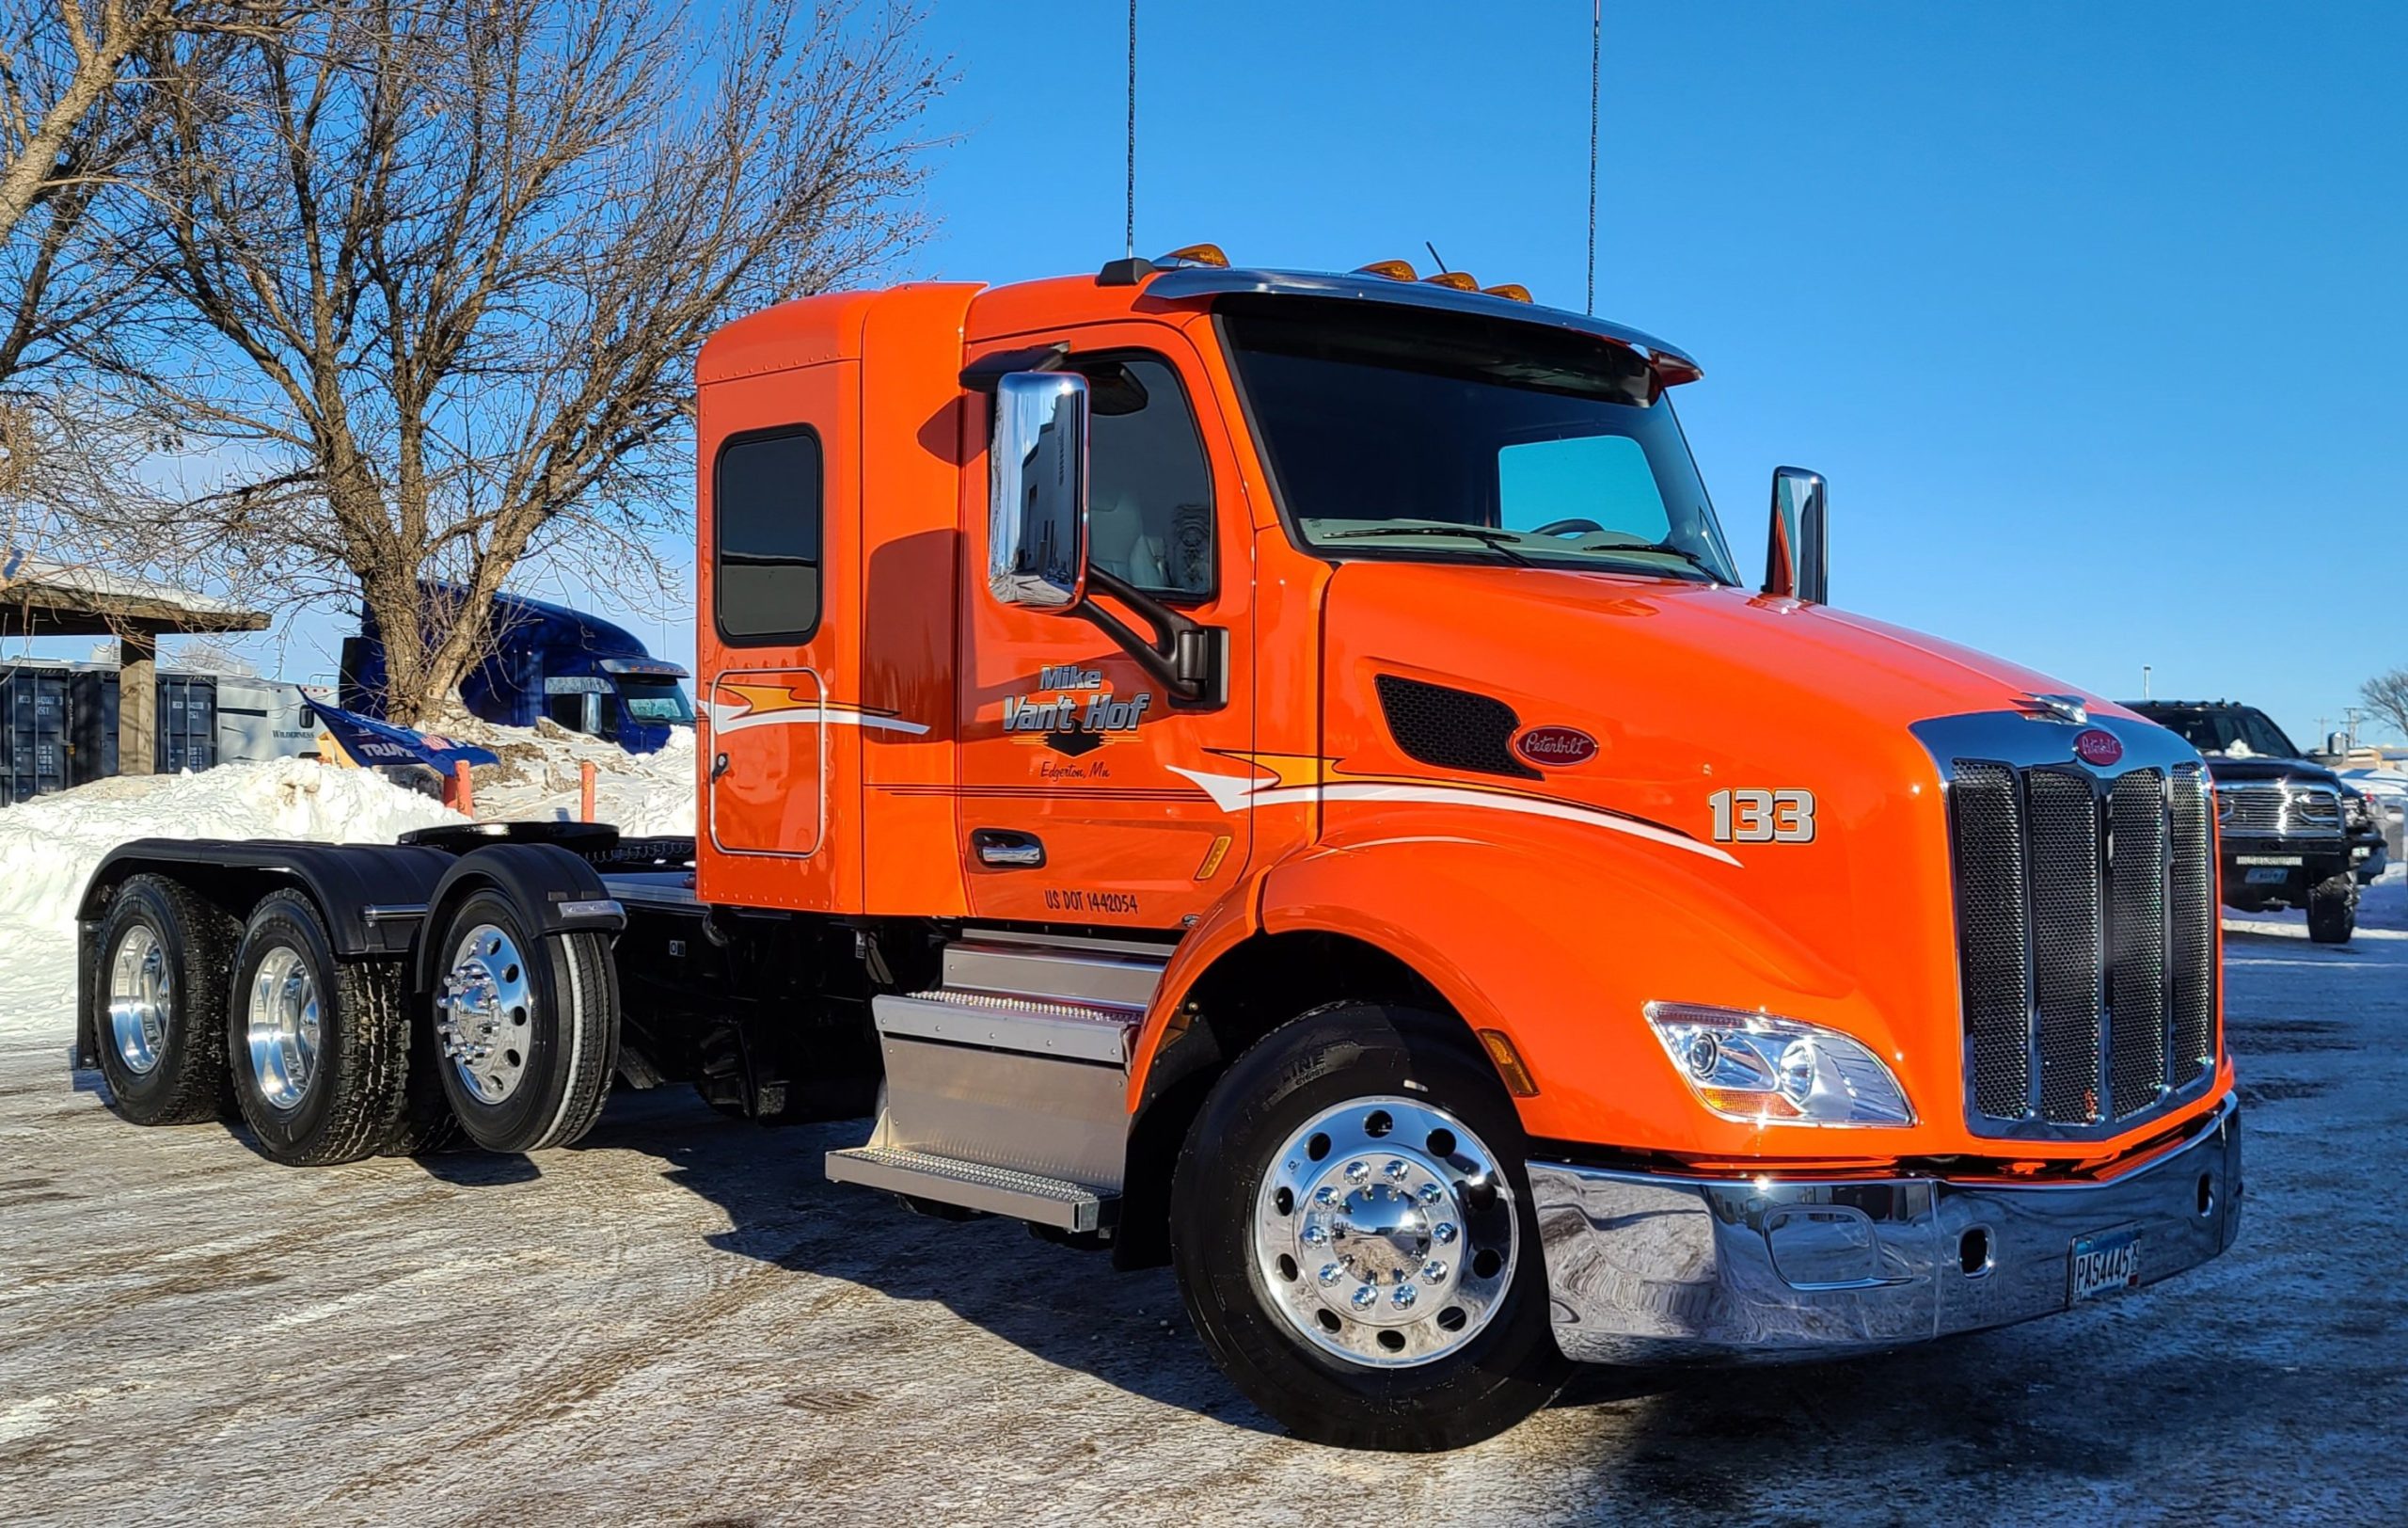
[(2107, 1262), (2268, 875)]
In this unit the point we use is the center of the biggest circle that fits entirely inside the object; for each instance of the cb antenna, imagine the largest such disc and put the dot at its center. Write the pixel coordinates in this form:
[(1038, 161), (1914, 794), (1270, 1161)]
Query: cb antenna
[(1128, 226), (1596, 30)]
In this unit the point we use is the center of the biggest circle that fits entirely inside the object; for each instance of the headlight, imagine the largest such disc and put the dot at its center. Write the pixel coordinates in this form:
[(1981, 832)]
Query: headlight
[(1761, 1069)]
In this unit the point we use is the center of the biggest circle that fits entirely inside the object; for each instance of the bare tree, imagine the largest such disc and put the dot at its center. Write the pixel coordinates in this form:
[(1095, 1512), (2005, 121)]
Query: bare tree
[(441, 269), (2386, 696)]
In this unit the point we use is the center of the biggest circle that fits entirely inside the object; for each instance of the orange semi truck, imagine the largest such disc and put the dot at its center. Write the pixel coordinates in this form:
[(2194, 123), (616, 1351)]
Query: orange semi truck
[(1281, 774)]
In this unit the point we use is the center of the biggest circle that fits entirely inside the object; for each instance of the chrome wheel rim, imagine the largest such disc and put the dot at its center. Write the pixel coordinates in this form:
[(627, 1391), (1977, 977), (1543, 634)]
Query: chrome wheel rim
[(141, 997), (1384, 1233), (482, 1013), (283, 1026)]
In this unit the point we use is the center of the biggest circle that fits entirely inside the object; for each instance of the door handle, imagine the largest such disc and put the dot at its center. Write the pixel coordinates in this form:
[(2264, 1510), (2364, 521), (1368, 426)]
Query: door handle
[(1002, 849), (718, 767)]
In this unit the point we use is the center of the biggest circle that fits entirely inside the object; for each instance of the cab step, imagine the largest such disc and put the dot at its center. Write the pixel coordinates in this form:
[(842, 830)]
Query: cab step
[(974, 1186)]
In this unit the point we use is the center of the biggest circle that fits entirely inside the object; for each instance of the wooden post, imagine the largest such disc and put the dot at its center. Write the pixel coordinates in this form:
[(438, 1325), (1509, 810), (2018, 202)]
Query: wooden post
[(585, 792), (137, 703)]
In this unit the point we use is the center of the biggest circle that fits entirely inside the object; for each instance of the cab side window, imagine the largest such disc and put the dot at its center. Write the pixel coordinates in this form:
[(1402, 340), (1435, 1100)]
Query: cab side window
[(765, 538), (1150, 490)]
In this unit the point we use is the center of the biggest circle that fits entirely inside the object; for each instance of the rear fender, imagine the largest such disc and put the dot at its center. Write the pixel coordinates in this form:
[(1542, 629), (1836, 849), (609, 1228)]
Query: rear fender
[(555, 891)]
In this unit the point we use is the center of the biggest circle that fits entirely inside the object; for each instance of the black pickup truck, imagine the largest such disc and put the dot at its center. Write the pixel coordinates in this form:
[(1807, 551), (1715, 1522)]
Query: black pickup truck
[(2283, 820)]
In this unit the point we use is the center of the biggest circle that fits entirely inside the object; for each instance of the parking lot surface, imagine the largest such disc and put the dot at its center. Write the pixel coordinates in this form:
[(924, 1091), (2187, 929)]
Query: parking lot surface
[(681, 1321)]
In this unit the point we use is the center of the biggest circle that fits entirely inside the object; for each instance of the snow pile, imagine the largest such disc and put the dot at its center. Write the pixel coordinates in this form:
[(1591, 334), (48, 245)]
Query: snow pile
[(48, 847), (644, 795)]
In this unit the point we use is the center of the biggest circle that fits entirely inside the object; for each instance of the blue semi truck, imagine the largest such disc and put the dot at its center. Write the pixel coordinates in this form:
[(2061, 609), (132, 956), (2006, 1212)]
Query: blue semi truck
[(546, 660)]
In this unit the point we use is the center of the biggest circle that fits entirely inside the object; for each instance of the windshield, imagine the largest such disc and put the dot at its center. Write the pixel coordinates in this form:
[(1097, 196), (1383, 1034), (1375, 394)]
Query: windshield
[(654, 698), (2237, 730), (1444, 437)]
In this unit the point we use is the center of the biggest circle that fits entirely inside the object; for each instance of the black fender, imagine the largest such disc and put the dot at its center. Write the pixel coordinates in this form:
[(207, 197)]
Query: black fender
[(372, 897), (554, 890)]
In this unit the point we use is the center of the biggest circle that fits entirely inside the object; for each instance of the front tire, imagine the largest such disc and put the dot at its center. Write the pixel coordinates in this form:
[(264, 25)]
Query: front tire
[(319, 1049), (159, 1001), (2333, 910), (1354, 1237), (526, 1027)]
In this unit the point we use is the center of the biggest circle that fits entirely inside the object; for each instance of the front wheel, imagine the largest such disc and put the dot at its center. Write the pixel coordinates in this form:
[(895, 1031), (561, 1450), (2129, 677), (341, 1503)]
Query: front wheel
[(2333, 910), (1354, 1237)]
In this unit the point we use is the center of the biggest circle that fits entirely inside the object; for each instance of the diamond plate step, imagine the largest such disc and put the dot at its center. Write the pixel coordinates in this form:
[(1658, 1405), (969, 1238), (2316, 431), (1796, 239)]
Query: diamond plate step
[(974, 1186)]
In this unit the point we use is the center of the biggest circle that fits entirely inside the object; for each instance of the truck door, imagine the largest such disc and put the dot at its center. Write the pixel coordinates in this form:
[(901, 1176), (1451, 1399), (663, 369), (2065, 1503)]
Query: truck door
[(1072, 807), (764, 689)]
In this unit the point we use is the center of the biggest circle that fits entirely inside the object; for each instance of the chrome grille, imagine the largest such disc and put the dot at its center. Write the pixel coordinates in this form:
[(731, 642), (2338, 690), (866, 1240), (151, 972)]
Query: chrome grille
[(2085, 936), (2270, 809)]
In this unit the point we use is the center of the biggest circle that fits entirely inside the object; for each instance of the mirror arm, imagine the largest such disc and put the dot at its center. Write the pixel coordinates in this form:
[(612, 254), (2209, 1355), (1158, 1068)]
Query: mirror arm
[(1186, 656)]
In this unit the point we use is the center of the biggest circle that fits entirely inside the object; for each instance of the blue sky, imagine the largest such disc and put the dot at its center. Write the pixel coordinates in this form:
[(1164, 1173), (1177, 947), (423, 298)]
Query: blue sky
[(2093, 316)]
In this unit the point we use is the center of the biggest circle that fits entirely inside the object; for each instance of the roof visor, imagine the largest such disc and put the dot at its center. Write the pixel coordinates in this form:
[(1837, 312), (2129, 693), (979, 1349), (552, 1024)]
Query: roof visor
[(1188, 283)]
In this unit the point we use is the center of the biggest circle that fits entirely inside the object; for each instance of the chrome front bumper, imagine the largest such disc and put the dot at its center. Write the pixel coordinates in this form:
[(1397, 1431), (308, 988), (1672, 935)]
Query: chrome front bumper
[(1645, 1266)]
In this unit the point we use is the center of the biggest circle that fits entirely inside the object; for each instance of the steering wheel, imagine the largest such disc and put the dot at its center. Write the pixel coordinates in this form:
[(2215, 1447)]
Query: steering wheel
[(1575, 527)]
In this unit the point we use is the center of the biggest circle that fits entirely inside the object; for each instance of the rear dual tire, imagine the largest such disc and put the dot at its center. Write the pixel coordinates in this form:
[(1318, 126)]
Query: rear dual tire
[(159, 1002), (319, 1049), (526, 1027)]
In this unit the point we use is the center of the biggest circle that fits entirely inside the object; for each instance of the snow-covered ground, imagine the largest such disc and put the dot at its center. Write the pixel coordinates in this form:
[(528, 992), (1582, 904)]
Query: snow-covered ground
[(682, 1320)]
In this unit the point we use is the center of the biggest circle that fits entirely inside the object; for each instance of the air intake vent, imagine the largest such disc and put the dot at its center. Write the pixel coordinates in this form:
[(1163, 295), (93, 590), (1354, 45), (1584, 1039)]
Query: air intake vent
[(1452, 729)]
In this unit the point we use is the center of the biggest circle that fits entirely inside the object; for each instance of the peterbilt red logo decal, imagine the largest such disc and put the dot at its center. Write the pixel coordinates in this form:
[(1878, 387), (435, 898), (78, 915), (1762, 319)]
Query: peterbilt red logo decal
[(1556, 747), (2097, 747)]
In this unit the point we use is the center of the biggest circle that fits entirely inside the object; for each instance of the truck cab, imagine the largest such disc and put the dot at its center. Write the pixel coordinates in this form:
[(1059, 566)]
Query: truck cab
[(1285, 773)]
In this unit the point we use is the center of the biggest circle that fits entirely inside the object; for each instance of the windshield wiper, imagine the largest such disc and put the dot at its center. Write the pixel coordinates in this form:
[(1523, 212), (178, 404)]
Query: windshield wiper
[(1713, 574), (1500, 540)]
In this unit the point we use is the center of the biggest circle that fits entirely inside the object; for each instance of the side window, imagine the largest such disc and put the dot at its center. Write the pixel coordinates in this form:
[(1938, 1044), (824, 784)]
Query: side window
[(765, 509), (1149, 492)]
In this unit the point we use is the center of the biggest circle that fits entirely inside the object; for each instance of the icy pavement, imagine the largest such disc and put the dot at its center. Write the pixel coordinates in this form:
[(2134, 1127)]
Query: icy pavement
[(681, 1321)]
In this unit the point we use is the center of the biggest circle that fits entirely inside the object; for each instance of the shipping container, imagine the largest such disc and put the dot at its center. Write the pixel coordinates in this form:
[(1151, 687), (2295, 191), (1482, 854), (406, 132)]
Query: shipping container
[(187, 722), (33, 732)]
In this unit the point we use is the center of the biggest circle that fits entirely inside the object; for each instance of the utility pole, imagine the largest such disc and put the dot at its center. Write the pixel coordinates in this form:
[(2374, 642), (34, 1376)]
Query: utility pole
[(2145, 694)]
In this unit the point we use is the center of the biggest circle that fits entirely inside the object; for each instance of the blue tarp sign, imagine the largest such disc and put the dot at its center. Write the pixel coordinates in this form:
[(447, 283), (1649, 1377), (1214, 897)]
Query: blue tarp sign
[(373, 744)]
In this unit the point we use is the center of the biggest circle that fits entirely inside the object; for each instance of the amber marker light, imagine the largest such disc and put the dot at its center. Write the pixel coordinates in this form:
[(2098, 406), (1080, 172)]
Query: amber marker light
[(1509, 1063), (1458, 280), (1509, 291), (1199, 254), (1395, 270)]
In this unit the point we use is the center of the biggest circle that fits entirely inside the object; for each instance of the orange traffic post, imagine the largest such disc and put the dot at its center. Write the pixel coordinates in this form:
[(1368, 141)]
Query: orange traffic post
[(458, 793), (585, 792)]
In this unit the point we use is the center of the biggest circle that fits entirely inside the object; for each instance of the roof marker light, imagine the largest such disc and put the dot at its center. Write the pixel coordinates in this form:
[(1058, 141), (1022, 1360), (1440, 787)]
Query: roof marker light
[(1457, 281), (1509, 291), (1395, 270), (1196, 254)]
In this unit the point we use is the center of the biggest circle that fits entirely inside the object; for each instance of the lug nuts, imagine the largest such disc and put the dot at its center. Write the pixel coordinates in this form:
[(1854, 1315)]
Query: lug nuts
[(1396, 1170), (1444, 1230), (1365, 1296), (1433, 1272), (1402, 1298), (1432, 1193), (1330, 1273), (1358, 1171), (1315, 1235)]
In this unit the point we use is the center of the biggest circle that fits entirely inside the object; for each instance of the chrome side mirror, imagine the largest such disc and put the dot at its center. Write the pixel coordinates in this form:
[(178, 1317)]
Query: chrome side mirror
[(1797, 558), (1037, 512)]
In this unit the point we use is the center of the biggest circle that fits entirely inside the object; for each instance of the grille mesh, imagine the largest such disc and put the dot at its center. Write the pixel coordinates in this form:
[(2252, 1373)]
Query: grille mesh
[(1990, 934), (1452, 729), (2136, 936), (2085, 926), (2063, 825), (2193, 919)]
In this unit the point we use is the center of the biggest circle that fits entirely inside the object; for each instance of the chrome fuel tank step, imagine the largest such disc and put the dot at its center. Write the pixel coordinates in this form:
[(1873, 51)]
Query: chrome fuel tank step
[(1011, 1078), (974, 1186)]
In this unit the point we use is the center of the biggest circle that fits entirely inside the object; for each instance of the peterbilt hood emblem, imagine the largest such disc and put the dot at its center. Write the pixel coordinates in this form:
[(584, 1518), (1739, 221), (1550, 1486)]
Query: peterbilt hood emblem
[(2073, 709), (1556, 747), (2098, 746)]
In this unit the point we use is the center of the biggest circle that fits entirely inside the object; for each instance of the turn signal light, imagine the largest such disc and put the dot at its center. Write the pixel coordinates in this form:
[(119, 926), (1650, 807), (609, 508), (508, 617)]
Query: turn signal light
[(1395, 270), (1509, 291), (1510, 1069), (1198, 254), (1458, 280)]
